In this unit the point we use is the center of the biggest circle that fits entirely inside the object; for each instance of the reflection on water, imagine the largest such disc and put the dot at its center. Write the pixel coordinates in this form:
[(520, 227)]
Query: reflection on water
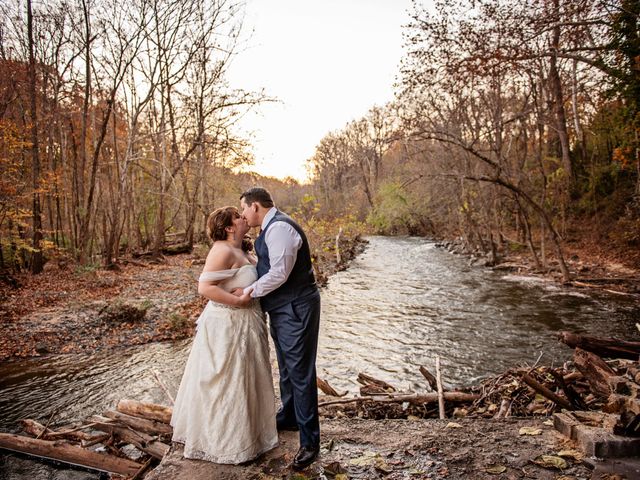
[(400, 303)]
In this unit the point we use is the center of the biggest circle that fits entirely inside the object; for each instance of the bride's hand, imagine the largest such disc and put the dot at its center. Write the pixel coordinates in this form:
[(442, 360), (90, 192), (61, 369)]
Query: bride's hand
[(244, 299)]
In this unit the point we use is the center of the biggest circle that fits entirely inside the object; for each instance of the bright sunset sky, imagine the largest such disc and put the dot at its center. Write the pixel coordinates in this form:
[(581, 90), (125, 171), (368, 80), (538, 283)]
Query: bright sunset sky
[(327, 61)]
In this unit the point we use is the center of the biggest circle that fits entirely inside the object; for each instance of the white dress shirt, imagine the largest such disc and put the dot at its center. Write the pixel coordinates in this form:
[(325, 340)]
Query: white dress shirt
[(283, 242)]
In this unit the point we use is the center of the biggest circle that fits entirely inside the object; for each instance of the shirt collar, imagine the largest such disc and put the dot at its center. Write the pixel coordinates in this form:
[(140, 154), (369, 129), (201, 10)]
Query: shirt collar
[(267, 218)]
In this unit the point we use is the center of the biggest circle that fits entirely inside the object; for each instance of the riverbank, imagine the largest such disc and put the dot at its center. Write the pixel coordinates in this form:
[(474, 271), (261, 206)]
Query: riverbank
[(82, 310), (590, 265), (409, 449), (419, 449)]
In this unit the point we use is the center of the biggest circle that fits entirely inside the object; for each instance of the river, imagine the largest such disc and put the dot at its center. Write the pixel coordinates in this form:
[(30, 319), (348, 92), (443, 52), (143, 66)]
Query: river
[(400, 303)]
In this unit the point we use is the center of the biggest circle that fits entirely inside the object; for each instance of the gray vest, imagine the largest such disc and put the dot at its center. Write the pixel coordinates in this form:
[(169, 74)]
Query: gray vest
[(301, 281)]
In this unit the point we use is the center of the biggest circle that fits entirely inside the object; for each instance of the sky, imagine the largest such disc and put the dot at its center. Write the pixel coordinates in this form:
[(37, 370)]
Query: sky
[(326, 61)]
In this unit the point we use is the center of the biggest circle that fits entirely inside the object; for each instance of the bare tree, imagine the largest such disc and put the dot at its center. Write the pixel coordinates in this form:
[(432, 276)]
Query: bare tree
[(37, 260)]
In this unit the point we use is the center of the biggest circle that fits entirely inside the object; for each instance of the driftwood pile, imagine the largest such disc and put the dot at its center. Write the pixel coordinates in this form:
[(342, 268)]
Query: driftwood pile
[(102, 441), (587, 383)]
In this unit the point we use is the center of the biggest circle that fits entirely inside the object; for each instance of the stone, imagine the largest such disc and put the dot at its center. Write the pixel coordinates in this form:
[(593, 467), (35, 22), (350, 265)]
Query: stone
[(593, 433)]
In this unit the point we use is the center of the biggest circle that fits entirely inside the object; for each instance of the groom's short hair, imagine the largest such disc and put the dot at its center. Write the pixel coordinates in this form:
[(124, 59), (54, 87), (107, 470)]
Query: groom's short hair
[(257, 194)]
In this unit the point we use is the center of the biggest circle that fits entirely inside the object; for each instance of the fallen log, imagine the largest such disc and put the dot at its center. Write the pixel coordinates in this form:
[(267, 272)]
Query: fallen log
[(63, 452), (327, 389), (34, 428), (572, 395), (102, 438), (140, 440), (140, 473), (419, 399), (39, 431), (152, 427), (544, 391), (430, 378), (372, 385), (604, 347), (177, 249), (595, 370), (570, 377), (150, 411), (621, 403)]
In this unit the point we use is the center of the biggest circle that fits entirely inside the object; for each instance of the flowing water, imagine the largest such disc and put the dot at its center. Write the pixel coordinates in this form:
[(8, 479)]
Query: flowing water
[(398, 305)]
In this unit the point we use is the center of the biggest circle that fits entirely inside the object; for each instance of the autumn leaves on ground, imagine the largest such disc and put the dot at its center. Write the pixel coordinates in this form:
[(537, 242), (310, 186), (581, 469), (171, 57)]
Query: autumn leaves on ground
[(70, 309)]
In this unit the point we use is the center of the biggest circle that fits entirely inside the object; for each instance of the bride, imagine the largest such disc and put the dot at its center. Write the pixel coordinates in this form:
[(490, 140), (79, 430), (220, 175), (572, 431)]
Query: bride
[(225, 408)]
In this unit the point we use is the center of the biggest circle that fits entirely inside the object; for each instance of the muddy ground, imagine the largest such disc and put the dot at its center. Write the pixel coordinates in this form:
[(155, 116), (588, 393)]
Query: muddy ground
[(403, 449), (387, 449)]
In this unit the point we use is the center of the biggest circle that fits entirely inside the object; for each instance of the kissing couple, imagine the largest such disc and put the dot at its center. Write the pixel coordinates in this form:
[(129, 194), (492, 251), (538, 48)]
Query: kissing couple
[(225, 409)]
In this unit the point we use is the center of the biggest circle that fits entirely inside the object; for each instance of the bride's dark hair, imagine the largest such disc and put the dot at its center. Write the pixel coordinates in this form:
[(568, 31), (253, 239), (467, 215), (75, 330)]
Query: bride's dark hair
[(219, 220)]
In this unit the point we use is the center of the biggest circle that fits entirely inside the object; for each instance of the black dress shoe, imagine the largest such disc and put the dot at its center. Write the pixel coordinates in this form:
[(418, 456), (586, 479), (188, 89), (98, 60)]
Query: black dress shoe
[(287, 427), (305, 457)]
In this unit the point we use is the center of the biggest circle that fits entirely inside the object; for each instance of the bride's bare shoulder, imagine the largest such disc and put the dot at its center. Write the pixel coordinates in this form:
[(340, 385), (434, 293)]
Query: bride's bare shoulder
[(220, 257)]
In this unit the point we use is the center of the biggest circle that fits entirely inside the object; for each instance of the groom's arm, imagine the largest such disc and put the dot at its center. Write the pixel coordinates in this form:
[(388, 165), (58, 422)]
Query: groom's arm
[(283, 243)]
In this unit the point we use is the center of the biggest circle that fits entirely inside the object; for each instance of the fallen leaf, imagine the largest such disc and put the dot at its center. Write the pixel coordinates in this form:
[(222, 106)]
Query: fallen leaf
[(334, 468), (530, 431), (548, 423), (381, 465), (299, 476), (551, 461), (365, 460), (495, 469), (460, 412), (341, 476), (453, 425), (575, 454)]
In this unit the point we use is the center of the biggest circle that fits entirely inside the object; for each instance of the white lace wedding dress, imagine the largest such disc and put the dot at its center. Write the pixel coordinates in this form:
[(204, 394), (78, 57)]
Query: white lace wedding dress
[(225, 408)]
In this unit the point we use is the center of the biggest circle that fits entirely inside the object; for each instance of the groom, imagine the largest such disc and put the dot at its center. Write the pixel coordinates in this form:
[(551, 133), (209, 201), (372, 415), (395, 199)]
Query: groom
[(288, 293)]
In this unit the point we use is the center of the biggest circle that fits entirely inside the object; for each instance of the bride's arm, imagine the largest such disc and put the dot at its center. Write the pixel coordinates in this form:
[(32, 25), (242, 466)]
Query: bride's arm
[(220, 258)]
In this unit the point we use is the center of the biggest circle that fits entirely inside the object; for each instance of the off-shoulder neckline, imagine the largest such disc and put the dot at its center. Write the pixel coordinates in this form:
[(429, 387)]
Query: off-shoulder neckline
[(231, 269)]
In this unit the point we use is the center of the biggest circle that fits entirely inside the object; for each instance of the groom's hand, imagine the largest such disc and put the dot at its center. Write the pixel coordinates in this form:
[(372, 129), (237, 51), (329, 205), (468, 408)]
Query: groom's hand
[(238, 292)]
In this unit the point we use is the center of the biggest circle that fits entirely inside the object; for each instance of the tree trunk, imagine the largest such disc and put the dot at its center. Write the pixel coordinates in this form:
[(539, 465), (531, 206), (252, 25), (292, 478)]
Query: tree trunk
[(555, 84), (37, 259), (527, 235)]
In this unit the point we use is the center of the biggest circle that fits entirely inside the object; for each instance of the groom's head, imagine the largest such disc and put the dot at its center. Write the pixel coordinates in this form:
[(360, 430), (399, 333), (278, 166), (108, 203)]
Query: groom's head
[(255, 203)]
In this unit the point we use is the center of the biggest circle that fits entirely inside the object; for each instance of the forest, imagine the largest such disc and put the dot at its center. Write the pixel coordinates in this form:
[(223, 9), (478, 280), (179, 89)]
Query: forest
[(514, 126)]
